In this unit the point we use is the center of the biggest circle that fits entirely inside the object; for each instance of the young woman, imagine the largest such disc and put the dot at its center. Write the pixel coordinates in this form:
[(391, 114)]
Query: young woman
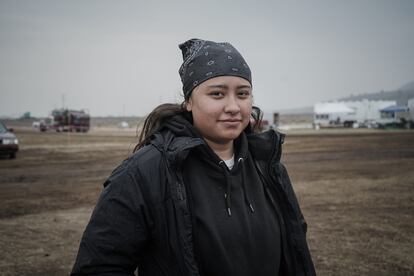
[(203, 194)]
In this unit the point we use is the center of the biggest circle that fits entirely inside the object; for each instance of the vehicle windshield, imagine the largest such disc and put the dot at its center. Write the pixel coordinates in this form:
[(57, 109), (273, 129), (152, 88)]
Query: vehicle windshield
[(3, 128)]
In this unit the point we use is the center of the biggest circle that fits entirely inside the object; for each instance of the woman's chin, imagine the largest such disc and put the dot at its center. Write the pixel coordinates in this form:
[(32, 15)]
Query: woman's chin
[(227, 136)]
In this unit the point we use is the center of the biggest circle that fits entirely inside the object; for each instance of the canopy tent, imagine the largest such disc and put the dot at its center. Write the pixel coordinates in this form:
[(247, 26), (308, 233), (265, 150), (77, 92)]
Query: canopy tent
[(329, 108), (395, 108)]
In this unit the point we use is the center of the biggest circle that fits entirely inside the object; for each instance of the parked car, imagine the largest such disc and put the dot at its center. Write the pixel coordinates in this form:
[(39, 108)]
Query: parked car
[(9, 144)]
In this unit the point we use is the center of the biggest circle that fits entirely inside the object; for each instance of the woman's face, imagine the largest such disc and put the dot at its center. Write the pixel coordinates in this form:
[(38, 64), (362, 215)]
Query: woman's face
[(221, 108)]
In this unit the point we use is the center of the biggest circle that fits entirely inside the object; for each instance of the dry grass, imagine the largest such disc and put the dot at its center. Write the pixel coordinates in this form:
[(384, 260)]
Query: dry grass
[(356, 190)]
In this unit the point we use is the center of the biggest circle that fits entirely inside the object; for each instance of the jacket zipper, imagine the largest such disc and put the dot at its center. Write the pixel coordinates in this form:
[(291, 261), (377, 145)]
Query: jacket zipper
[(285, 245), (278, 192)]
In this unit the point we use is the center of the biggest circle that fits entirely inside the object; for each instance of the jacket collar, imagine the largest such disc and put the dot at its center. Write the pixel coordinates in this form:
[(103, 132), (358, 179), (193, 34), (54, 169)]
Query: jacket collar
[(174, 148), (266, 146)]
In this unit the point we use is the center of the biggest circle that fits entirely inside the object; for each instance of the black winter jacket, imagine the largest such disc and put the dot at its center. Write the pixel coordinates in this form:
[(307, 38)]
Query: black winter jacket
[(142, 217)]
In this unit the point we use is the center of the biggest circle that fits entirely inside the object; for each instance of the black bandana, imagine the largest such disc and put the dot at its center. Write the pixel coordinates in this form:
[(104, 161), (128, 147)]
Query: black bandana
[(205, 59)]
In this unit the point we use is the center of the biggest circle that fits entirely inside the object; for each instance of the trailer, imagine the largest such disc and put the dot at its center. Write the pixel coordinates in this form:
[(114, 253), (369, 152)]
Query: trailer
[(355, 114), (410, 105), (395, 117)]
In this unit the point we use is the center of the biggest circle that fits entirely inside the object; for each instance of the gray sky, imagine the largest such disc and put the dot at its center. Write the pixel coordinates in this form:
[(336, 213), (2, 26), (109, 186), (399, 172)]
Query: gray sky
[(121, 57)]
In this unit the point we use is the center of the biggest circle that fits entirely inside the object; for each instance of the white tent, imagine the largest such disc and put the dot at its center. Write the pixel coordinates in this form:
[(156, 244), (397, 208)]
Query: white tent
[(330, 108)]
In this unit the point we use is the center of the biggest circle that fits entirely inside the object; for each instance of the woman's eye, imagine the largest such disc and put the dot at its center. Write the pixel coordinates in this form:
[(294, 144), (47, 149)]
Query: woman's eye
[(216, 94), (244, 93)]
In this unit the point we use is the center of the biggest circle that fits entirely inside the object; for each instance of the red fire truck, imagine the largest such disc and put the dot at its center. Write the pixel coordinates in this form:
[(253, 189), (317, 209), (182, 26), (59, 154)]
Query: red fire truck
[(66, 120)]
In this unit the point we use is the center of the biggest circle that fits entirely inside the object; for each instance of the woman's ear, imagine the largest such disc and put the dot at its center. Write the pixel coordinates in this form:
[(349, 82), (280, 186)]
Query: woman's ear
[(189, 105)]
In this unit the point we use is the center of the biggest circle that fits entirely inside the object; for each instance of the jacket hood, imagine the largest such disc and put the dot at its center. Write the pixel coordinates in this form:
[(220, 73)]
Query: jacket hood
[(180, 126), (178, 135), (183, 131)]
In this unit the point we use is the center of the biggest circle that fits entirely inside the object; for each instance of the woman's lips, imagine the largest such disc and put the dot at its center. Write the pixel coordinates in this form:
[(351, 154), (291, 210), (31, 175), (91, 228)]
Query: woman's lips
[(231, 122)]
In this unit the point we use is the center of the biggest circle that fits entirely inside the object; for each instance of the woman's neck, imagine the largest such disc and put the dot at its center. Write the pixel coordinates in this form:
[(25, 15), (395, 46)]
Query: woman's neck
[(223, 150)]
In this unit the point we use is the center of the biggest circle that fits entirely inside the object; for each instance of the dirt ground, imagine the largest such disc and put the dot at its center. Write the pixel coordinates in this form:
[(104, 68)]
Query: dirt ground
[(356, 190)]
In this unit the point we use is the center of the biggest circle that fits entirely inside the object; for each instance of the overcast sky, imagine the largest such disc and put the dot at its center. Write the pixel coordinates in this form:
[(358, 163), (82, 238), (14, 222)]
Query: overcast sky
[(122, 58)]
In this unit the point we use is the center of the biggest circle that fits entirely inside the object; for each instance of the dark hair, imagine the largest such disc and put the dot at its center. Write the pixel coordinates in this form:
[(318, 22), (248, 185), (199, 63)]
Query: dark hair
[(164, 112)]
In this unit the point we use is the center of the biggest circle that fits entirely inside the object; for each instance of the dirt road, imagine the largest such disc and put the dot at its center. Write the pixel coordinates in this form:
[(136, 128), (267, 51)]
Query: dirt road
[(356, 190)]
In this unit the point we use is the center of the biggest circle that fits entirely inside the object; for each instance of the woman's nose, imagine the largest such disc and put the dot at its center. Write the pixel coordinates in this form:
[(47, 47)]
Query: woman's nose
[(232, 105)]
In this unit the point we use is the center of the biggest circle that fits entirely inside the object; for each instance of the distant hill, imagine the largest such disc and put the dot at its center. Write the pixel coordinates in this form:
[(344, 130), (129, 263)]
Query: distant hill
[(408, 86), (109, 121), (297, 111), (112, 121), (401, 96)]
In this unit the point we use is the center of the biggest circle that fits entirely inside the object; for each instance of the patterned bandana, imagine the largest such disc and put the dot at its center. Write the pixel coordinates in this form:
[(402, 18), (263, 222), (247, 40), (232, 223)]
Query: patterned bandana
[(205, 59)]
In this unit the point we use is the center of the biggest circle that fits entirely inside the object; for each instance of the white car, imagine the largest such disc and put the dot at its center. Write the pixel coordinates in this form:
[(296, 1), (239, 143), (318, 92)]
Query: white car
[(9, 144)]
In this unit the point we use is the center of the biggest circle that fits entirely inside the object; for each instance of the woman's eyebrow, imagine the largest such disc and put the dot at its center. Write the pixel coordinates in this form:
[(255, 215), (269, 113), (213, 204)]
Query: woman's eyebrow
[(224, 86), (218, 86), (244, 86)]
